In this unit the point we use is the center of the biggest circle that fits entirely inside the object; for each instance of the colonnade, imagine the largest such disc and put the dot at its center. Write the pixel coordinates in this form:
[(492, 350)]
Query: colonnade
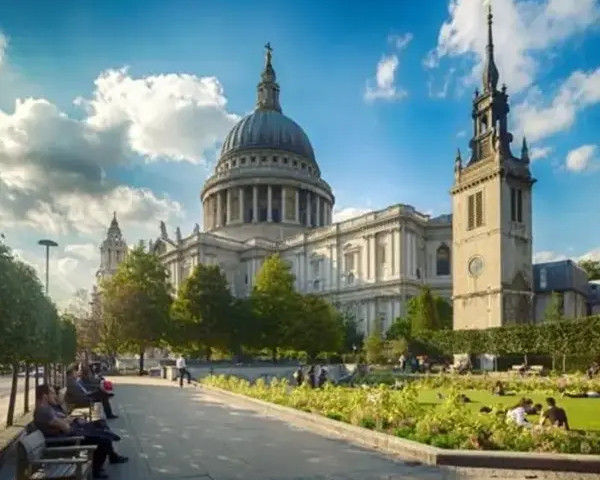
[(266, 203)]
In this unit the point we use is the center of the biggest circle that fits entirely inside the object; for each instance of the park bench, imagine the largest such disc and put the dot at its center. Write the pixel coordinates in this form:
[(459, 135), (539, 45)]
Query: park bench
[(37, 461)]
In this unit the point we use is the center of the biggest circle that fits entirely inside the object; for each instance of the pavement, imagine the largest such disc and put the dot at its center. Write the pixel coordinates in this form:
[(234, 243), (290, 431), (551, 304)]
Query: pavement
[(191, 434), (5, 384)]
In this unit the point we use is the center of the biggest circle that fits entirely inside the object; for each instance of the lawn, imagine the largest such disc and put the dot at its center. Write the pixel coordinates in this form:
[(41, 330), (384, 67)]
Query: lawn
[(583, 413)]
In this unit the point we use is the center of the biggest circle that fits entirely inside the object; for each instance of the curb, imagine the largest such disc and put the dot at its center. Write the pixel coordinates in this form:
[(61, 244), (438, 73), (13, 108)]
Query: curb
[(415, 451)]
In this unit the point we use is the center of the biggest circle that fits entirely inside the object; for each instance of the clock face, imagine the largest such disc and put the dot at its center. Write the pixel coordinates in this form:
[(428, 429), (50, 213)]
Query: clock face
[(476, 266)]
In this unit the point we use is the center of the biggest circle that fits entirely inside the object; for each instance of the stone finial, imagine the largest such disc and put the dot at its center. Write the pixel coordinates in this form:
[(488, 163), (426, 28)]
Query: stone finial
[(196, 229), (150, 245), (490, 71), (178, 234), (525, 151), (163, 231), (268, 88), (457, 163)]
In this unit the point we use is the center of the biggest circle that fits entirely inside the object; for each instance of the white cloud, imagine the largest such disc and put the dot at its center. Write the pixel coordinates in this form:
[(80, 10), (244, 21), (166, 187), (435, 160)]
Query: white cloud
[(537, 153), (441, 92), (384, 85), (339, 215), (591, 255), (400, 41), (461, 134), (172, 116), (582, 158), (3, 47), (52, 174), (86, 251), (522, 30), (538, 119)]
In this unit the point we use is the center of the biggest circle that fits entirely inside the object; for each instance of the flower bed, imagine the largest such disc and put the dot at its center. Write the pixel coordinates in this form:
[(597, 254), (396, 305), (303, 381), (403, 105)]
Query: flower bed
[(447, 425)]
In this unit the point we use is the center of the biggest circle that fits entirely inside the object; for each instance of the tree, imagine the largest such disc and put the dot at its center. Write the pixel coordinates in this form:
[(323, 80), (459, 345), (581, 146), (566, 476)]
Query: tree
[(353, 337), (393, 349), (592, 268), (374, 347), (422, 311), (203, 308), (318, 327), (136, 302), (275, 303), (401, 328), (444, 313), (554, 309)]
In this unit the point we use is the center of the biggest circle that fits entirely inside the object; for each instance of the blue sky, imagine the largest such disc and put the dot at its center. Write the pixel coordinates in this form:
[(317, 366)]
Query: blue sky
[(384, 93)]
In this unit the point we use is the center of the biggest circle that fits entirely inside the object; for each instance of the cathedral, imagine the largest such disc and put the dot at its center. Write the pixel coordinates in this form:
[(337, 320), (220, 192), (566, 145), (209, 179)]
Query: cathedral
[(266, 196)]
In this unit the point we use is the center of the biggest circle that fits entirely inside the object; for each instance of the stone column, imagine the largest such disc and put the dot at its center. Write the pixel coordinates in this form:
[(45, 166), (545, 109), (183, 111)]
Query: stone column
[(402, 251), (397, 264), (297, 213), (254, 204), (372, 262), (282, 216), (269, 203), (219, 211), (241, 204), (318, 212), (228, 206), (308, 209)]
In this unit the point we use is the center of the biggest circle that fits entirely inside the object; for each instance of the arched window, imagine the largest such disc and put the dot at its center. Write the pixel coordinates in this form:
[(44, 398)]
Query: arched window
[(442, 260)]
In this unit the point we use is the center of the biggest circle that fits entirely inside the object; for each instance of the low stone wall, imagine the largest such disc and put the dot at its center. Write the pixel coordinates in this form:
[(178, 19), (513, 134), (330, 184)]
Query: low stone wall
[(410, 450)]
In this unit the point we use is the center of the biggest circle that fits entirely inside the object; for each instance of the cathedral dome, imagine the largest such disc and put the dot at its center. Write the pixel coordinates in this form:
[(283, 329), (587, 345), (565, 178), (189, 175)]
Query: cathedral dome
[(268, 129)]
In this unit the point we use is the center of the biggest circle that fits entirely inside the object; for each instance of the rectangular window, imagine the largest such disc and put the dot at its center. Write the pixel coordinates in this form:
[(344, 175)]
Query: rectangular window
[(519, 206), (475, 210), (478, 209), (349, 259), (471, 212)]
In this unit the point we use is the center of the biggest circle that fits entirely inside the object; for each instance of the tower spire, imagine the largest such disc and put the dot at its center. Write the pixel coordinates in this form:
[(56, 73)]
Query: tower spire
[(268, 89), (525, 151), (490, 71)]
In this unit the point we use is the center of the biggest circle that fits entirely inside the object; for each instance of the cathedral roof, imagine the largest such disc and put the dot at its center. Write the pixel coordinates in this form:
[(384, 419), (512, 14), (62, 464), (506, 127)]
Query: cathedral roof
[(267, 127)]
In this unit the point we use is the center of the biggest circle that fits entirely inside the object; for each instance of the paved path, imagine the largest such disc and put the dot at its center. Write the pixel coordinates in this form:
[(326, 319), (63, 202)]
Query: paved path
[(170, 433)]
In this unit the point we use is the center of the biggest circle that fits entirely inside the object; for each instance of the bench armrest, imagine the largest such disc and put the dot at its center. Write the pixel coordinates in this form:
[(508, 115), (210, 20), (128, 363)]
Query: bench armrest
[(59, 461), (77, 448), (55, 440)]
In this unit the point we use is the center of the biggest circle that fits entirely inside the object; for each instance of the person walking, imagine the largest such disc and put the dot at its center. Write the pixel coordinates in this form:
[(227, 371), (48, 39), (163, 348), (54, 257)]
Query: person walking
[(299, 376), (181, 366), (312, 380)]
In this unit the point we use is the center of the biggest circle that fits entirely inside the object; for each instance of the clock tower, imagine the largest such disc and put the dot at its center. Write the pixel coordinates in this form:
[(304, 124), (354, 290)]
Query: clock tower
[(491, 224)]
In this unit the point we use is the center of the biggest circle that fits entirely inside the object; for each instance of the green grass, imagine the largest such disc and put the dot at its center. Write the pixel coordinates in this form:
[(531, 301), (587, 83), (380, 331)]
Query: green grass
[(583, 413)]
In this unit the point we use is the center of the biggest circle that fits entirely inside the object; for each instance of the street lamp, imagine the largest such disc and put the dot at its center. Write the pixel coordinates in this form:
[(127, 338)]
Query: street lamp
[(47, 244)]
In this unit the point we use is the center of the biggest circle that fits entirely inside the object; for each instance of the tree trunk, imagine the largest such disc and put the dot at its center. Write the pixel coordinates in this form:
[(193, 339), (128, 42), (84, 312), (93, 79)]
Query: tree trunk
[(208, 353), (564, 362), (46, 374), (13, 395), (274, 353), (142, 362), (26, 394), (37, 371), (525, 361), (553, 363), (54, 373)]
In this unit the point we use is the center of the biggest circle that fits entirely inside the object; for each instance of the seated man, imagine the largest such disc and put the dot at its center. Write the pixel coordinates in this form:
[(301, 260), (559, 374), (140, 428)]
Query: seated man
[(555, 415), (79, 394), (518, 414), (52, 424)]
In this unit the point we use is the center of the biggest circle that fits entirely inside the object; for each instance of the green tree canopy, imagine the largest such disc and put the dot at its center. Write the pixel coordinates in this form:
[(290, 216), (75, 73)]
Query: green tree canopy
[(422, 311), (554, 309), (317, 328), (353, 337), (275, 303), (136, 302), (203, 308), (592, 267)]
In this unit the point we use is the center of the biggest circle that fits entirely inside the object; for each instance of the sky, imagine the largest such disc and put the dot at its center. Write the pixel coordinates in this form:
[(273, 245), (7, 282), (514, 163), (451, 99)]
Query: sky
[(123, 105)]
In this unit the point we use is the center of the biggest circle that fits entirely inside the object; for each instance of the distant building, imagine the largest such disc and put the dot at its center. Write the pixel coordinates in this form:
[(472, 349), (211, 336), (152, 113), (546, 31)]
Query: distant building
[(113, 251), (566, 278)]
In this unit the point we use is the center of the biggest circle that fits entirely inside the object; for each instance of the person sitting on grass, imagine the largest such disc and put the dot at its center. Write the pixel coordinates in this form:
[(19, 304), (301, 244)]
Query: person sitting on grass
[(48, 420), (555, 415), (499, 390), (518, 414)]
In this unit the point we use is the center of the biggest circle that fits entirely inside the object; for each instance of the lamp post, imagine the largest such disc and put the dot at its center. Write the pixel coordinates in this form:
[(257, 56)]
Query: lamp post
[(47, 244)]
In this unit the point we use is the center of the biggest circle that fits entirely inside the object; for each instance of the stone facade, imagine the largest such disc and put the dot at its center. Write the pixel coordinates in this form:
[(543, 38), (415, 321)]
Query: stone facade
[(491, 204)]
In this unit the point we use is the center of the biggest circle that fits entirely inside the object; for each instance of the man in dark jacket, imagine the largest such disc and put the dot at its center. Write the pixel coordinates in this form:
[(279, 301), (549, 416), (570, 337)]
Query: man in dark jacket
[(78, 394)]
